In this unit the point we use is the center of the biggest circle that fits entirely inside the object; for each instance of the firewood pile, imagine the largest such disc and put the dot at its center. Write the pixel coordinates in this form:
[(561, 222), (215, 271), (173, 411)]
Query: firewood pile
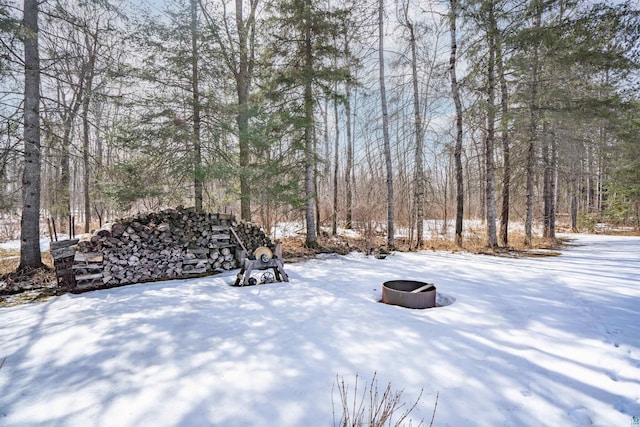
[(173, 243)]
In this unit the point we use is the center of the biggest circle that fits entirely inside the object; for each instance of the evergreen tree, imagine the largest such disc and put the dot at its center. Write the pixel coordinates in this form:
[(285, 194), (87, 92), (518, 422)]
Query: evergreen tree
[(9, 140), (183, 86), (484, 15), (238, 47), (570, 64), (302, 49), (623, 184), (8, 30)]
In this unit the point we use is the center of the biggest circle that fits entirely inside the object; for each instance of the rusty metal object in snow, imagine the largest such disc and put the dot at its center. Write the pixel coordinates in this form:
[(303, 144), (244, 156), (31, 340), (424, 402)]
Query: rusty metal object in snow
[(409, 293)]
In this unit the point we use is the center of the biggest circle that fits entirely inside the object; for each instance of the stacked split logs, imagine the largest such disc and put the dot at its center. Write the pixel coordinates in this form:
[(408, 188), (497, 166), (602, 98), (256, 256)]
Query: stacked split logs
[(172, 243)]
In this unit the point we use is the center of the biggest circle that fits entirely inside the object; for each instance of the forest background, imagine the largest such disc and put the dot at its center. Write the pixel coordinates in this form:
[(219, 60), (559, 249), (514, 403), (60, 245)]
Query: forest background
[(376, 115)]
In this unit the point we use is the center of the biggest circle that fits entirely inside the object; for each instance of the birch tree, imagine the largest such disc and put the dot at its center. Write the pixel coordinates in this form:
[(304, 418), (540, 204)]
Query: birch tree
[(455, 93), (385, 128)]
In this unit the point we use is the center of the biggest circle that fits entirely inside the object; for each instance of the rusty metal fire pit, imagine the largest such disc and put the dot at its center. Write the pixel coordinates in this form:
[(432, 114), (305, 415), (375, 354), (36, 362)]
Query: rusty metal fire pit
[(409, 293)]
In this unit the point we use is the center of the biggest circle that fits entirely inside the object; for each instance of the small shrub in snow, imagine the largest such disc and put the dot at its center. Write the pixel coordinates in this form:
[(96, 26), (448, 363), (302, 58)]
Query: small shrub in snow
[(371, 407)]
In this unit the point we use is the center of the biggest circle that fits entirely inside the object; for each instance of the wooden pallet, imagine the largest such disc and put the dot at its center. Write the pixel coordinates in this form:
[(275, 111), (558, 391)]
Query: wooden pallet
[(63, 252), (89, 270)]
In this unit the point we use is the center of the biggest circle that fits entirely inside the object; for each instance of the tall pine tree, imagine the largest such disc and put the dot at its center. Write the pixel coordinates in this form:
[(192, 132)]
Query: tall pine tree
[(302, 47)]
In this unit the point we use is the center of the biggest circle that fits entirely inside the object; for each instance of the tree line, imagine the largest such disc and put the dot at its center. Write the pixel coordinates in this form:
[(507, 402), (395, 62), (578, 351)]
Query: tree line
[(369, 114)]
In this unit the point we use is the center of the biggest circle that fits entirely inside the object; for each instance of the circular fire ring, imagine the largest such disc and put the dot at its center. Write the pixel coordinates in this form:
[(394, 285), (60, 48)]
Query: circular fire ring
[(409, 293)]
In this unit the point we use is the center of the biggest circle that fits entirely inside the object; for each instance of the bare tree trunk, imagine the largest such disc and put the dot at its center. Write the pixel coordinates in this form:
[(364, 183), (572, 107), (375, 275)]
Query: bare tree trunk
[(197, 149), (309, 163), (482, 179), (385, 128), (506, 145), (334, 219), (239, 57), (316, 195), (62, 206), (92, 44), (243, 85), (445, 209), (492, 240), (349, 164), (326, 170), (419, 151), (546, 186), (30, 256), (86, 176), (245, 160), (590, 193), (533, 128), (600, 175), (352, 119), (553, 189), (574, 206), (455, 92)]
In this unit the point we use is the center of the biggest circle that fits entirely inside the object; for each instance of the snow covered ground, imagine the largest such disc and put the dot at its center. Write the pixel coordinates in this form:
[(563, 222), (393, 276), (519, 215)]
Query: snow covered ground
[(15, 244), (525, 342)]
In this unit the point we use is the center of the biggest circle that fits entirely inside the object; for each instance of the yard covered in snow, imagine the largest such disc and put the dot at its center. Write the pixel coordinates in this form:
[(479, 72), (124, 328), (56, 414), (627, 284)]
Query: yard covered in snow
[(525, 342)]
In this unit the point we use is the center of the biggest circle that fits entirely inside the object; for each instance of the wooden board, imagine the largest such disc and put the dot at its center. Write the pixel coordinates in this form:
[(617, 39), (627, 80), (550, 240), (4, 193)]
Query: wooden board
[(86, 277), (422, 288), (88, 267), (63, 244), (89, 257), (198, 250), (221, 236), (63, 253)]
